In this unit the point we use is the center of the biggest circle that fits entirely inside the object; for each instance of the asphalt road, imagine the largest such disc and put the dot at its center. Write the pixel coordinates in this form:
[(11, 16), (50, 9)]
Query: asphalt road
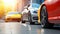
[(20, 28)]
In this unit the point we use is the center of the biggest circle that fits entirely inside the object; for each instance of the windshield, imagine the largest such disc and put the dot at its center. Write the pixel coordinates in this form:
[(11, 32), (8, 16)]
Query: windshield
[(37, 1), (13, 13), (35, 5)]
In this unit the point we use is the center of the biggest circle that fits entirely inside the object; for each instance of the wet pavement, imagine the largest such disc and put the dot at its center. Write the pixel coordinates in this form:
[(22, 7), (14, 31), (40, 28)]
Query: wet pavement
[(20, 28)]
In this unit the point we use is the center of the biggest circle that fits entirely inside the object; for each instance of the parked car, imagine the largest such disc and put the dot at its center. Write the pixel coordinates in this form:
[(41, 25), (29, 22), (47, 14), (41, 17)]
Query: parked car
[(13, 16), (30, 14), (49, 13)]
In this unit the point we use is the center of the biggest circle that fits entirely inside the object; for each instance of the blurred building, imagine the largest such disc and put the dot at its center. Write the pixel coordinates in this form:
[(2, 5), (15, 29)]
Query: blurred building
[(21, 4), (12, 5)]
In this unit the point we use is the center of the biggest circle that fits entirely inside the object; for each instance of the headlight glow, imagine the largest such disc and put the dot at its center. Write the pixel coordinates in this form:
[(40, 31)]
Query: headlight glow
[(10, 5), (9, 2)]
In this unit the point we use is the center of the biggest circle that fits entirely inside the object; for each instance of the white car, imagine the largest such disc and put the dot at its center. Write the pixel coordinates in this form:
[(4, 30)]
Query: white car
[(30, 14)]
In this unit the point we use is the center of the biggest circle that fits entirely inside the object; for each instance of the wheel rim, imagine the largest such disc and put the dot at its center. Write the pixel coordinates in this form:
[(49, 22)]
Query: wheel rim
[(43, 16)]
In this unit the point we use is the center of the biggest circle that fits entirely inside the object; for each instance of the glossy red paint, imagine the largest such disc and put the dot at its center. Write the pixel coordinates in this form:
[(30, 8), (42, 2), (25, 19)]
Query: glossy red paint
[(53, 9)]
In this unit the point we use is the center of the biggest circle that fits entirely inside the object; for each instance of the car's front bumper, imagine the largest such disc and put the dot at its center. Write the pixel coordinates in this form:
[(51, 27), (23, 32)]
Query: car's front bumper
[(34, 17), (13, 19)]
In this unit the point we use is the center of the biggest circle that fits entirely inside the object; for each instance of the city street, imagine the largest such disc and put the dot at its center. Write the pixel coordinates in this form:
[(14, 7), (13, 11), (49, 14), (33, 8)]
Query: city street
[(30, 16), (20, 28)]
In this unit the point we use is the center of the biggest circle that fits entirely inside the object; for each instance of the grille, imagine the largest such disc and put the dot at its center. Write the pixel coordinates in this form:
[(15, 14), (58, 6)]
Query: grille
[(35, 18)]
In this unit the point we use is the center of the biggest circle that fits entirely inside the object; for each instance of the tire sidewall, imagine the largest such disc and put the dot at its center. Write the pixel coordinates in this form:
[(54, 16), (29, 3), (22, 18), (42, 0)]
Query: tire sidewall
[(46, 14)]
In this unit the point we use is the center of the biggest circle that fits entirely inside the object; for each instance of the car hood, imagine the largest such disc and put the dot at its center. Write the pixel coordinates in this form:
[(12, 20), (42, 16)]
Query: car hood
[(13, 16)]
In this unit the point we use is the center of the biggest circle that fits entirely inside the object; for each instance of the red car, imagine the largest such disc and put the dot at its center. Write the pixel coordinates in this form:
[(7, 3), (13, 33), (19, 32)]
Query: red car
[(49, 13)]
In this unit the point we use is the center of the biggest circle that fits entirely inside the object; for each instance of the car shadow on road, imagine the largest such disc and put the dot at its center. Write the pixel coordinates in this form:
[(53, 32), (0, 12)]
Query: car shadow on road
[(36, 24), (55, 28)]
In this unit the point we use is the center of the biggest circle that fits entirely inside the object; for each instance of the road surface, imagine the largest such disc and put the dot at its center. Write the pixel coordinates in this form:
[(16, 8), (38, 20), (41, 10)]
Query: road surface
[(20, 28)]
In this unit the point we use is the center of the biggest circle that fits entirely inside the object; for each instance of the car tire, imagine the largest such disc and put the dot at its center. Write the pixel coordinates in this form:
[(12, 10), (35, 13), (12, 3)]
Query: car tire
[(6, 21), (29, 18), (44, 18), (23, 21), (18, 21)]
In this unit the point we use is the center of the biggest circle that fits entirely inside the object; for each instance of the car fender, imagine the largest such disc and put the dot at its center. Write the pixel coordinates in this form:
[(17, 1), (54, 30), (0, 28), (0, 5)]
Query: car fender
[(39, 10)]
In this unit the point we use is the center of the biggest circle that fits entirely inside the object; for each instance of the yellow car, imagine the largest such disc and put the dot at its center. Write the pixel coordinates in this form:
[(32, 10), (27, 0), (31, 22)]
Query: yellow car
[(13, 16)]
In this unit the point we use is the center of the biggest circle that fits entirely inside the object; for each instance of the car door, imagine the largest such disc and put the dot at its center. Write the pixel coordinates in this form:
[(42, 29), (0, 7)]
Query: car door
[(54, 9)]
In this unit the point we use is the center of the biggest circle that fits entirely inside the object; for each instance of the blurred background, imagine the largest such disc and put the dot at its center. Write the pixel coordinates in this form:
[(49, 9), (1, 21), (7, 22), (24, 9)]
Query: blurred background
[(12, 5), (18, 10)]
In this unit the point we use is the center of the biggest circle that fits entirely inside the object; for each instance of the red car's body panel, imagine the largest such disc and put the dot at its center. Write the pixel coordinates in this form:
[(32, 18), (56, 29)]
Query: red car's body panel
[(53, 9)]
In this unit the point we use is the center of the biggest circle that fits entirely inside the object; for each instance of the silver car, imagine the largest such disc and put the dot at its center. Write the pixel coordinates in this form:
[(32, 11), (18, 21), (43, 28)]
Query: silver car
[(30, 14)]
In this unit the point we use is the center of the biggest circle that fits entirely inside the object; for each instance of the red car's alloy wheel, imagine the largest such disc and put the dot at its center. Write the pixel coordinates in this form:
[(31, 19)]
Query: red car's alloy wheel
[(44, 18)]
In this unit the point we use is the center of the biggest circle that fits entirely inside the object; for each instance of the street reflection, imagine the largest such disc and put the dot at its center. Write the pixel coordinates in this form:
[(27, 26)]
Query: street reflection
[(38, 31), (42, 31), (19, 28)]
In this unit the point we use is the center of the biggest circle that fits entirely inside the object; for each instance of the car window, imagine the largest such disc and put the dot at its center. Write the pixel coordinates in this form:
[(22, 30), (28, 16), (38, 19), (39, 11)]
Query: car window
[(13, 13), (37, 1), (35, 5)]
